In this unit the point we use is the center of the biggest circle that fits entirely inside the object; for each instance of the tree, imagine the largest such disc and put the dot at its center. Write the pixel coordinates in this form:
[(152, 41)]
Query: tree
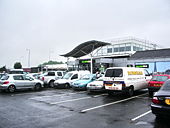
[(51, 63), (3, 69), (17, 65)]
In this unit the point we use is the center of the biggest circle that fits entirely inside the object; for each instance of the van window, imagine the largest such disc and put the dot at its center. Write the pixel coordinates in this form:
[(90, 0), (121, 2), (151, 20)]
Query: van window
[(67, 75), (146, 73), (75, 76), (114, 73)]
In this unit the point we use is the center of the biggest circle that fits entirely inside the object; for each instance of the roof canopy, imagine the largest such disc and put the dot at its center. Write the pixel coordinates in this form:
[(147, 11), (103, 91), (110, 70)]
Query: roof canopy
[(150, 54), (85, 48)]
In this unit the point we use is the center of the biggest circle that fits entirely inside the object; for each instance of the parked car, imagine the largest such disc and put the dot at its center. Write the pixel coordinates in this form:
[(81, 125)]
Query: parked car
[(68, 78), (125, 79), (156, 82), (51, 76), (83, 81), (161, 101), (96, 85), (12, 82)]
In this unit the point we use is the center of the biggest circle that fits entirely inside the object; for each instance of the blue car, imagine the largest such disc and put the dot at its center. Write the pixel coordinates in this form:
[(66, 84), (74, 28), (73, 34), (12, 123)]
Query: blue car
[(83, 81)]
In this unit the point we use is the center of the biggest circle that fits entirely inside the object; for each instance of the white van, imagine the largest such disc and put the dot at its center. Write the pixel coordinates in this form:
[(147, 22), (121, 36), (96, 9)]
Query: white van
[(68, 78), (125, 79)]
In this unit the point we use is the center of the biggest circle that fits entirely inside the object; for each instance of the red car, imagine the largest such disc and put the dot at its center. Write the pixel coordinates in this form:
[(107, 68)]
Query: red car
[(156, 82)]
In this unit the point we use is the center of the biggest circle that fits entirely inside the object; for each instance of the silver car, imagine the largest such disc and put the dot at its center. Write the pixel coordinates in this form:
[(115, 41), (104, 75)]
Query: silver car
[(11, 82)]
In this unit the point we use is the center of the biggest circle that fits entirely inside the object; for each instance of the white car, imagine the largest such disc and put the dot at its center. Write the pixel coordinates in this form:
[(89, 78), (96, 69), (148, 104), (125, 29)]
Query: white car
[(51, 76), (96, 85), (12, 82), (69, 78)]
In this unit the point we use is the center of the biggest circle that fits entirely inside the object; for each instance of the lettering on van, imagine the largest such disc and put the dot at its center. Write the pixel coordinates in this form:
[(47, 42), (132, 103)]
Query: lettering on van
[(135, 73)]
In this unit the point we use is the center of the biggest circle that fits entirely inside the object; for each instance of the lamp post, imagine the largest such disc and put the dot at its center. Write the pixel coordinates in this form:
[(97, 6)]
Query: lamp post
[(50, 52), (28, 57)]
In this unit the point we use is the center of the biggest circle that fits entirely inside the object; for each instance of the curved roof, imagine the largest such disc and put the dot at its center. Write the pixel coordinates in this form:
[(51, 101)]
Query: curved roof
[(85, 48)]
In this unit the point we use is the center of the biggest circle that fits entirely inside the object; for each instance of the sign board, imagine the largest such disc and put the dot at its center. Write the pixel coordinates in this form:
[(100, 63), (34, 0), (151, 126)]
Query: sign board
[(142, 65), (88, 61)]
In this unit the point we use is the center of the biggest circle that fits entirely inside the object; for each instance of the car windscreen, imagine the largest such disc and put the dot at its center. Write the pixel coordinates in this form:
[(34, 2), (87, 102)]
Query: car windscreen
[(114, 73), (5, 77), (166, 85), (67, 75), (159, 78)]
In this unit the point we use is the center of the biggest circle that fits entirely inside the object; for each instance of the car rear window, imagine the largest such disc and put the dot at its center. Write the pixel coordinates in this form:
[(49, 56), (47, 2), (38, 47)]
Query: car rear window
[(59, 73), (5, 77), (166, 85), (159, 78), (114, 73), (51, 74)]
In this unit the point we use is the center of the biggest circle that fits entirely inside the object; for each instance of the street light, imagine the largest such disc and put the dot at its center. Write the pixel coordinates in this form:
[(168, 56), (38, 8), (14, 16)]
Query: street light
[(28, 57), (50, 52)]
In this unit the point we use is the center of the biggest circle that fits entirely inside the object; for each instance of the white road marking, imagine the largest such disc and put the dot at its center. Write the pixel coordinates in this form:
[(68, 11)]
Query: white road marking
[(141, 115), (65, 94), (88, 97), (100, 106)]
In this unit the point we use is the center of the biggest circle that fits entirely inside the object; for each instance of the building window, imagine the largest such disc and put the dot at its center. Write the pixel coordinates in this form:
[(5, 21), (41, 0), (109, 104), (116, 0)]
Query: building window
[(116, 49), (109, 50), (121, 49), (128, 48), (134, 48)]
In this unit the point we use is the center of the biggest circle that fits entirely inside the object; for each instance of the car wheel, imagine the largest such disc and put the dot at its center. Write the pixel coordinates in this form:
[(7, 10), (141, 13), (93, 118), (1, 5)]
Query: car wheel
[(11, 88), (51, 84), (110, 93), (67, 85), (37, 87), (130, 91)]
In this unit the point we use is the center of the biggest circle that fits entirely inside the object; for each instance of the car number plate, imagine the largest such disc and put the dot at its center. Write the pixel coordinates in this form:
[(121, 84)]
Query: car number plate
[(157, 85), (167, 101)]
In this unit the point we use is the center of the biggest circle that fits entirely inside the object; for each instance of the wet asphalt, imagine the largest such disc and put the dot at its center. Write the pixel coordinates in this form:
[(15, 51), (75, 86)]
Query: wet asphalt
[(65, 108)]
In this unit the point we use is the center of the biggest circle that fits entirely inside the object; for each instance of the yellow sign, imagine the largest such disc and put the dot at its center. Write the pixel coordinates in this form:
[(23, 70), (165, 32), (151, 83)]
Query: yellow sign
[(135, 73), (167, 101)]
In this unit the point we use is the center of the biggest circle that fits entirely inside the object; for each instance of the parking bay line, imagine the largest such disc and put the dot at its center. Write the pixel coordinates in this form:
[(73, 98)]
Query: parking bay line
[(141, 115), (65, 94), (88, 97), (116, 102)]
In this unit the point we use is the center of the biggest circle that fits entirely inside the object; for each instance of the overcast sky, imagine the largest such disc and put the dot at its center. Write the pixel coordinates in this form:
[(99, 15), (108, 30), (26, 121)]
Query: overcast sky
[(53, 27)]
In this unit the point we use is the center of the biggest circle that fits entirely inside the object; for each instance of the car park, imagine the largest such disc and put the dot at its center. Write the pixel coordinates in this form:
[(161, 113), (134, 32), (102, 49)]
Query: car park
[(96, 85), (83, 81), (69, 78), (160, 105), (12, 82), (125, 79), (51, 76), (156, 82)]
